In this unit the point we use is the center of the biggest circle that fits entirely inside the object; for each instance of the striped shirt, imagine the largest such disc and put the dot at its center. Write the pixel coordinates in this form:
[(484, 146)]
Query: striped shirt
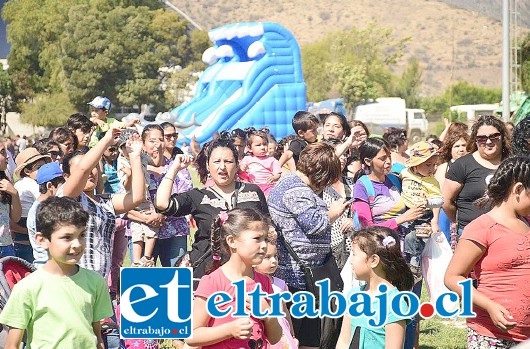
[(99, 233)]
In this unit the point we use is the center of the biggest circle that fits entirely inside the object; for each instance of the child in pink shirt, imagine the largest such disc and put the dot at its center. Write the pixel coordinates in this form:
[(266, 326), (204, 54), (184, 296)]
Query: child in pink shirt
[(260, 168), (242, 234), (268, 267)]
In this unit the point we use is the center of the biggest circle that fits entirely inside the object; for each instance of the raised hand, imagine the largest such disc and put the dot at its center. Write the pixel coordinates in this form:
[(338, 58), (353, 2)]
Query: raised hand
[(134, 145)]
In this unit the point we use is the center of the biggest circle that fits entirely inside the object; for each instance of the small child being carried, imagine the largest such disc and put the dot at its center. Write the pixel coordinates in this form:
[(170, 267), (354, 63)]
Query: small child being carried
[(260, 168), (421, 188)]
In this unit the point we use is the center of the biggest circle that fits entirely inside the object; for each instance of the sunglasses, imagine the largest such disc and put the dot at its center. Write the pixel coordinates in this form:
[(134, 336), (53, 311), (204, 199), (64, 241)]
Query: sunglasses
[(171, 135), (483, 139), (229, 135), (56, 153), (113, 149)]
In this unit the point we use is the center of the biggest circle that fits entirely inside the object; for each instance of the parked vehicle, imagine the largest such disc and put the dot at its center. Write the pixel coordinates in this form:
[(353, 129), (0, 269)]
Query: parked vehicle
[(470, 113), (388, 112)]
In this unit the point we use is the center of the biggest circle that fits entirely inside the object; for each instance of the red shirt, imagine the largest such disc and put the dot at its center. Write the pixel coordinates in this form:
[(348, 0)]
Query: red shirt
[(503, 275), (217, 281)]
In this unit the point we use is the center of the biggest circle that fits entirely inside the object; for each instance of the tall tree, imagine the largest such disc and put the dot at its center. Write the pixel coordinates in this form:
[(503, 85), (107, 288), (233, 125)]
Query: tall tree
[(525, 64), (81, 48), (354, 64)]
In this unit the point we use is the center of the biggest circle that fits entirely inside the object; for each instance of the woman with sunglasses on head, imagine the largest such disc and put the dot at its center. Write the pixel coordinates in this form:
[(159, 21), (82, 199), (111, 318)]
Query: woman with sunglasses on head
[(238, 137), (170, 141), (468, 177)]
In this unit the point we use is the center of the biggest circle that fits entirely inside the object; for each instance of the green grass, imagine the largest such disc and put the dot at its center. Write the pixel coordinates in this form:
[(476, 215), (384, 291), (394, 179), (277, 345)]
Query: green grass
[(438, 333)]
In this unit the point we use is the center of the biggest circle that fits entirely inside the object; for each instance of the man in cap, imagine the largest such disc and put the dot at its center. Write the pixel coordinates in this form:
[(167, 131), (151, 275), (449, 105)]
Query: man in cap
[(99, 110), (49, 178)]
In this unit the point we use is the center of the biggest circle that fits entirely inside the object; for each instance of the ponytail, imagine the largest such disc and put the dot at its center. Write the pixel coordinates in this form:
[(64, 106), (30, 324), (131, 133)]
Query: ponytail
[(384, 242), (216, 245)]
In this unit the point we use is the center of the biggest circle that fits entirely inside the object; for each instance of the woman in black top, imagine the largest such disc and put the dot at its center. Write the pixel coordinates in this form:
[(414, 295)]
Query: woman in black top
[(206, 203), (468, 177)]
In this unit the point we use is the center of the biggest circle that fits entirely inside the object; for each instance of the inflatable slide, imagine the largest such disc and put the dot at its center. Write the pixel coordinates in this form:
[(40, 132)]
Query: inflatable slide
[(254, 79)]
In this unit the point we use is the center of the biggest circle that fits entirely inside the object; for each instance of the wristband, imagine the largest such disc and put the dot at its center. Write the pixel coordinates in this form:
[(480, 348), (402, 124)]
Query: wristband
[(172, 179)]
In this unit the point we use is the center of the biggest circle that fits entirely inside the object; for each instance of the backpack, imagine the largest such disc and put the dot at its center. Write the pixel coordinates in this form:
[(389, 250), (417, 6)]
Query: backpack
[(370, 191), (12, 270)]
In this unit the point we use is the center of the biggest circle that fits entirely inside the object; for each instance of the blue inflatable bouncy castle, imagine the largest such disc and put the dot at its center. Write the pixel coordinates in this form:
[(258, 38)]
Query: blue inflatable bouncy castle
[(254, 79)]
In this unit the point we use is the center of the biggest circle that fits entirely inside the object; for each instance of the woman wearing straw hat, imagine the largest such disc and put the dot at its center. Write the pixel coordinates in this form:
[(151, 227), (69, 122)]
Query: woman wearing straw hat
[(28, 162)]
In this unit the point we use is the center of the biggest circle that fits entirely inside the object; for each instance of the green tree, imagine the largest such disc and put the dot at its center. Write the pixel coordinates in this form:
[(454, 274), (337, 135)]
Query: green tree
[(6, 90), (353, 64), (460, 93), (82, 48), (47, 110), (408, 85), (525, 64)]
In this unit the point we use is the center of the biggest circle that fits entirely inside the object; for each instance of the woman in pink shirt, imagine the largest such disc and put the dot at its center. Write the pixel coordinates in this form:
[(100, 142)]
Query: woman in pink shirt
[(496, 246)]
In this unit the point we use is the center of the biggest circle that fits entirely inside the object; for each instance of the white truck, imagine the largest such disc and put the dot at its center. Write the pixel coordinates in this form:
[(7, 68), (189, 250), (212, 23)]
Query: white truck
[(471, 112), (388, 112)]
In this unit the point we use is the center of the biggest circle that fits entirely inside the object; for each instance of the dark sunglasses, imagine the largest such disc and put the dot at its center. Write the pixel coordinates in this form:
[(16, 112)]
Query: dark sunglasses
[(483, 139), (229, 135), (171, 135), (56, 153), (113, 149)]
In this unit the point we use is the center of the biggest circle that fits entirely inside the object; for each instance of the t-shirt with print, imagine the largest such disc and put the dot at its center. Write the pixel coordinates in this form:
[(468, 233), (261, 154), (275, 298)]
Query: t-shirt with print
[(58, 311), (5, 232), (99, 233), (503, 275), (475, 179), (371, 337), (416, 188), (386, 204), (217, 281), (204, 205), (296, 146)]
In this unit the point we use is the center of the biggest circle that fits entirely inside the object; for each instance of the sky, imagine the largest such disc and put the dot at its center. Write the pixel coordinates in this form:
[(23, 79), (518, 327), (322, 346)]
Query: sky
[(4, 47)]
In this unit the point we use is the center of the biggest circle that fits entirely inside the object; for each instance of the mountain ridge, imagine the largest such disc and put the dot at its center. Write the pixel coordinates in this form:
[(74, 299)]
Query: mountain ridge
[(451, 43)]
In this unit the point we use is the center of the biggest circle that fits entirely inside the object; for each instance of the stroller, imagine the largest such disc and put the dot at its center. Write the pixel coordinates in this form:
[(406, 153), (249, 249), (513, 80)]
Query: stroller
[(12, 270)]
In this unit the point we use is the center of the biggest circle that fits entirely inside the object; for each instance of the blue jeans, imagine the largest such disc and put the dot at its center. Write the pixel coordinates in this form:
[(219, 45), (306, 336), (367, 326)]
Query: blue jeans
[(170, 250), (412, 327), (24, 251), (6, 251)]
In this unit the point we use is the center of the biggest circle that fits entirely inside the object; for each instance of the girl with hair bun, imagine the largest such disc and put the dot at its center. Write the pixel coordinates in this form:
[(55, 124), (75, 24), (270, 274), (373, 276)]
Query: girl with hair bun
[(238, 237), (377, 260), (496, 246)]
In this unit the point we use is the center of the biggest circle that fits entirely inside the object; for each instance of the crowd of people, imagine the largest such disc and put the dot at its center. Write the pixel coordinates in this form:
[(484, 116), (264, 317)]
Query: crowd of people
[(74, 203)]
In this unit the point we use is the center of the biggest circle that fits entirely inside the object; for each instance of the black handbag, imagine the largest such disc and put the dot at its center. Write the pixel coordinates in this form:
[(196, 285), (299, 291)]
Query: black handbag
[(329, 327), (328, 270)]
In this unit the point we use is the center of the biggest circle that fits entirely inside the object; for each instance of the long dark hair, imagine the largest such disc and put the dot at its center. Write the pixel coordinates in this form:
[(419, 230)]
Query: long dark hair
[(368, 150), (5, 198), (370, 241), (490, 120), (513, 170), (206, 151), (231, 223)]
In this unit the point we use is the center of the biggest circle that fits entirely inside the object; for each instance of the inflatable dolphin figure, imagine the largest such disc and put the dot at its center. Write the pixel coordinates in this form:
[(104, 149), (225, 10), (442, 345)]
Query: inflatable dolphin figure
[(172, 118)]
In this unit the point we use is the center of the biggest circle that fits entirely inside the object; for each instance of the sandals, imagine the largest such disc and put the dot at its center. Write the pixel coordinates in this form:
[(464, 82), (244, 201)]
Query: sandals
[(144, 262)]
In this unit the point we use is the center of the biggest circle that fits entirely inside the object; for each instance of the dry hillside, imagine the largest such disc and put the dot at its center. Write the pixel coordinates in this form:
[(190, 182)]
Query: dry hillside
[(436, 29)]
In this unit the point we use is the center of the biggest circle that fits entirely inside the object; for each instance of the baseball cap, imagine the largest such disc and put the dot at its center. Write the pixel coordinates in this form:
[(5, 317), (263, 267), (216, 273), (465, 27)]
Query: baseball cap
[(101, 102), (48, 172)]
